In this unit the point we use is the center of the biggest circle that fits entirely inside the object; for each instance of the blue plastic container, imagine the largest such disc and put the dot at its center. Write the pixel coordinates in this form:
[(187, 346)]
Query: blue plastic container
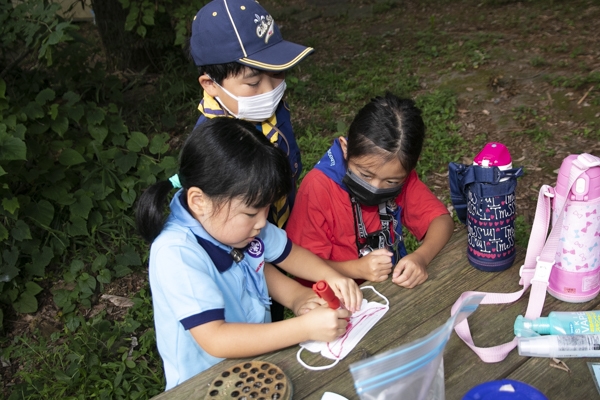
[(505, 389)]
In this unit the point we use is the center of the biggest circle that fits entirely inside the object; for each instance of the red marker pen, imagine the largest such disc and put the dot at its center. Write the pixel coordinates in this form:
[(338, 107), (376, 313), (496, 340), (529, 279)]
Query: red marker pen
[(323, 290)]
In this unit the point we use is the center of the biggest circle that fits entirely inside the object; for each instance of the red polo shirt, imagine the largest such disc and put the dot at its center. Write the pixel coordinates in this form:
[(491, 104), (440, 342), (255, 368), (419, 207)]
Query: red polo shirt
[(322, 219)]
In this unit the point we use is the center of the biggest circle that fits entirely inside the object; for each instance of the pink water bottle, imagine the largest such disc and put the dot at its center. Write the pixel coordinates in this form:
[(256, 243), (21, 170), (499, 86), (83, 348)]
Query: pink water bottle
[(575, 276), (491, 210)]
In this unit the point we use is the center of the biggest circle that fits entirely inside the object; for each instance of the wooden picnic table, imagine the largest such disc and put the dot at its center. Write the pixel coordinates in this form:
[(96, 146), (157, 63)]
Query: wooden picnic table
[(416, 312)]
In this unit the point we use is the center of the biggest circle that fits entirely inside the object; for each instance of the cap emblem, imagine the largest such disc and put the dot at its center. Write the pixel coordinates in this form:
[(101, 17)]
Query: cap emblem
[(265, 26)]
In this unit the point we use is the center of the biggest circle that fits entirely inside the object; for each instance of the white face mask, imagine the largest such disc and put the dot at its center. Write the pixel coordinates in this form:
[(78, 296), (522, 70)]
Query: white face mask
[(255, 108), (360, 323)]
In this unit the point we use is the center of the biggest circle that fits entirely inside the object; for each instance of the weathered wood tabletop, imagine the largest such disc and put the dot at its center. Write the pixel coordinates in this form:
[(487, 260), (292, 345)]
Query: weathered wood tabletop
[(416, 312)]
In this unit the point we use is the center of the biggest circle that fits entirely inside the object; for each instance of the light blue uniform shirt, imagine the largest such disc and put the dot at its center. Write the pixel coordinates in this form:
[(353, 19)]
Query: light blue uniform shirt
[(190, 287)]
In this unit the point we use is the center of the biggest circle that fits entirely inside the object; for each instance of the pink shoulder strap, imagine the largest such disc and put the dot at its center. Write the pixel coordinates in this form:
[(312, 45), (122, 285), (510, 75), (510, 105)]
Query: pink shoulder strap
[(536, 269)]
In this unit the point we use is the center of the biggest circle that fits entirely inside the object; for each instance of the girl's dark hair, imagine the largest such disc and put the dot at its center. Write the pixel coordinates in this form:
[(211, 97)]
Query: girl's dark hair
[(390, 127), (218, 72), (226, 158)]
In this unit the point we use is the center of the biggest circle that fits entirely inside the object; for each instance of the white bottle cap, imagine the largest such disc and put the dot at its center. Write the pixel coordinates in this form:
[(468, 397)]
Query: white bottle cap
[(536, 346)]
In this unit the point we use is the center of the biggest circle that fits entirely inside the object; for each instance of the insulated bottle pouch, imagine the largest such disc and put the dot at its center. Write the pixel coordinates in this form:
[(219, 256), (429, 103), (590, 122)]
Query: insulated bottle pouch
[(360, 323), (484, 200)]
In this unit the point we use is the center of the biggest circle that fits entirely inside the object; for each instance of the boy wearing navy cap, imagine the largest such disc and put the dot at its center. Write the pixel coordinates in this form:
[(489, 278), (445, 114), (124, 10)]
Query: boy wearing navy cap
[(241, 58)]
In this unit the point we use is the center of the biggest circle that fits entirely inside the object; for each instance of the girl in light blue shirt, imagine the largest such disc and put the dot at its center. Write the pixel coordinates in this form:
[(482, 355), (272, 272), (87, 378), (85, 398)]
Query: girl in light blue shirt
[(211, 263)]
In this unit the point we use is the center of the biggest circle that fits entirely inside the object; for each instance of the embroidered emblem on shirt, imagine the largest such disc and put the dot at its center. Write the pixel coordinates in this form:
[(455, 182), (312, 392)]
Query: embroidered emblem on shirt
[(265, 26), (256, 248)]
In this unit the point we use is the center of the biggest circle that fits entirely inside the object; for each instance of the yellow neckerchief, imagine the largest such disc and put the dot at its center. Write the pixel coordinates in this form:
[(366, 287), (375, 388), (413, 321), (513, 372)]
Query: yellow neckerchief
[(211, 108)]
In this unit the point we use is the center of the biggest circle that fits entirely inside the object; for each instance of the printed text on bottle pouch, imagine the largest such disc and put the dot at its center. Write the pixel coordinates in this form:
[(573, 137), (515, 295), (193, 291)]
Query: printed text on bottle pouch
[(491, 224)]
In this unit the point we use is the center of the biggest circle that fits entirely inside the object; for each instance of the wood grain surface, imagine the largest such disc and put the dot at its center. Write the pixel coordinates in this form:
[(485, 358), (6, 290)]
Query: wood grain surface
[(416, 312)]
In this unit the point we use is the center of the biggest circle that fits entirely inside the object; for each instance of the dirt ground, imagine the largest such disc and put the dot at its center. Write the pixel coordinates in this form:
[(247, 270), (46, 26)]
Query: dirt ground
[(507, 87)]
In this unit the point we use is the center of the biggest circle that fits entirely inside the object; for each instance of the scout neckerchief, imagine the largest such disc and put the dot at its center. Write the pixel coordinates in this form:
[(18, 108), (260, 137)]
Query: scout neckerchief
[(210, 108), (221, 255), (333, 165)]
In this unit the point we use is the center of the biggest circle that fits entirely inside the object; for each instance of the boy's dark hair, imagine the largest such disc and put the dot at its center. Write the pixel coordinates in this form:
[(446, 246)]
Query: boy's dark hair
[(388, 126), (227, 158), (219, 72)]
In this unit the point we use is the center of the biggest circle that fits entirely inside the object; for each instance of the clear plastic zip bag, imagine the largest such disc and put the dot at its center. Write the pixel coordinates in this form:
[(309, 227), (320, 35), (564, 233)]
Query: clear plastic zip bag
[(412, 371)]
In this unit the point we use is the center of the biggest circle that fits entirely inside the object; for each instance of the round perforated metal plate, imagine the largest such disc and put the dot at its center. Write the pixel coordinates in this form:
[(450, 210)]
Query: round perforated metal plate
[(253, 380)]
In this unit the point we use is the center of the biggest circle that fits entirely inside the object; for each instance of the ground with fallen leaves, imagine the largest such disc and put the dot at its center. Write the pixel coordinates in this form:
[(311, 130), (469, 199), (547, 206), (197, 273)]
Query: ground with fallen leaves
[(526, 74)]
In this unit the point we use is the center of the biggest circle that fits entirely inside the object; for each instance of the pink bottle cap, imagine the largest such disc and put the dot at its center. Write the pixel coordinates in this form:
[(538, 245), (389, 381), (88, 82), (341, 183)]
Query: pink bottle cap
[(587, 185), (494, 154)]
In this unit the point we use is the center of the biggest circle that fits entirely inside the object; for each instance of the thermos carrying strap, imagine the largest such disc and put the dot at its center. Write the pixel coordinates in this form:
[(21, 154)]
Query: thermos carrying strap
[(485, 181), (535, 272)]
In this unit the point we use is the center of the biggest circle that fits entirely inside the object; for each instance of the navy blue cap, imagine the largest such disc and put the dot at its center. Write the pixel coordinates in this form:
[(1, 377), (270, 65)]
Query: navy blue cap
[(505, 389), (225, 31)]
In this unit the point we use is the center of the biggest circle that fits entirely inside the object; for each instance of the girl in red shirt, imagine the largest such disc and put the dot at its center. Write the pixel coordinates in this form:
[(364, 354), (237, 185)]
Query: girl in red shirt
[(351, 207)]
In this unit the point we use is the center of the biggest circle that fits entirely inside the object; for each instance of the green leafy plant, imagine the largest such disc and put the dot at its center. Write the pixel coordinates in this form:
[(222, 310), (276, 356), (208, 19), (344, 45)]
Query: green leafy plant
[(442, 143), (75, 154), (113, 360), (88, 169), (313, 147), (588, 132), (538, 61), (576, 81), (577, 51), (31, 28), (71, 171), (410, 241), (522, 231), (143, 14), (532, 124)]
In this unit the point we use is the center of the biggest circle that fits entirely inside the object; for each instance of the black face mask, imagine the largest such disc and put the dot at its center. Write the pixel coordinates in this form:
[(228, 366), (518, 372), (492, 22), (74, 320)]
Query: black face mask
[(366, 194)]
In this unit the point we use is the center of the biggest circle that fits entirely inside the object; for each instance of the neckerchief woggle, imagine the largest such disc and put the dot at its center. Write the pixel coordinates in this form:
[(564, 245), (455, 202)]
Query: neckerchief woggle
[(211, 108), (333, 165), (255, 283)]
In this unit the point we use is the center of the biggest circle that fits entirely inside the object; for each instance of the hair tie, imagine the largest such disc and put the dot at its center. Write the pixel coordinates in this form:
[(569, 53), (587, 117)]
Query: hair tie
[(175, 181)]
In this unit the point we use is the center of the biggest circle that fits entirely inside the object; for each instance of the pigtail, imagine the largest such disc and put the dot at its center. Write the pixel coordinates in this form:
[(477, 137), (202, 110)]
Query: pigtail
[(150, 215), (211, 160)]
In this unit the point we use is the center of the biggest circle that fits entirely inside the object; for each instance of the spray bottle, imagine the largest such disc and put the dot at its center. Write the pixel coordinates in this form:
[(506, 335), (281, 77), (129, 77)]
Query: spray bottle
[(560, 323), (560, 346)]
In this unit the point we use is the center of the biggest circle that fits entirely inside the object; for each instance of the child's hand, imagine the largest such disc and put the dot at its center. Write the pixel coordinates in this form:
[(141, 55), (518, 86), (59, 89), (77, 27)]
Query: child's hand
[(377, 265), (308, 301), (347, 291), (325, 324), (410, 271)]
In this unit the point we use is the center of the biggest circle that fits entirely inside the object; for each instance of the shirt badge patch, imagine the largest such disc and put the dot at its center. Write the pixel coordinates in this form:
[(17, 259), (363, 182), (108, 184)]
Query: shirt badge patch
[(256, 248), (265, 28)]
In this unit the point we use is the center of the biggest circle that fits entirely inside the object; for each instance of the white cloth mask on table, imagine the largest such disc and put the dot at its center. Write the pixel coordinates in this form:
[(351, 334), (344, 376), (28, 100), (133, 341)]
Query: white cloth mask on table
[(332, 396), (360, 323)]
